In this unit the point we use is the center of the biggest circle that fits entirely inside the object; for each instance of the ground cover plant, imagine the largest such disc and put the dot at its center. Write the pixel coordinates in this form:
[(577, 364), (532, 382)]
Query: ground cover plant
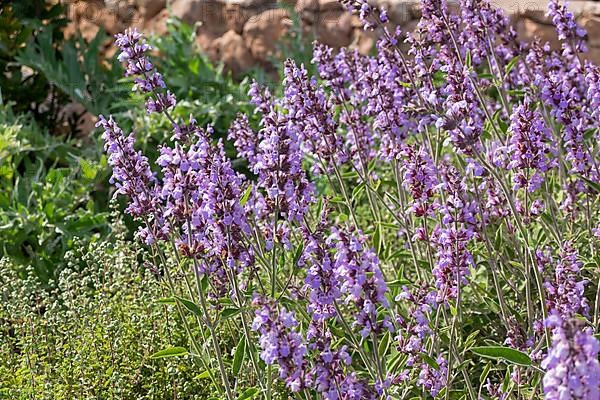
[(414, 225), (92, 335)]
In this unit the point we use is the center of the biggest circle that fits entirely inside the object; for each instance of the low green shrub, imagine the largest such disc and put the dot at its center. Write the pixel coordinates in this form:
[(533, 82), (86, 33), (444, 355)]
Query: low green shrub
[(91, 336), (50, 191)]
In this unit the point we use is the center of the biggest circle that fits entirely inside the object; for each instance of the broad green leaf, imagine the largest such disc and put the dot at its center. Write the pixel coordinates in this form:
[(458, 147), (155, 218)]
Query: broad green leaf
[(503, 353), (511, 64), (384, 345), (230, 312), (249, 393), (203, 375), (170, 352), (238, 356), (246, 195), (190, 305), (430, 361)]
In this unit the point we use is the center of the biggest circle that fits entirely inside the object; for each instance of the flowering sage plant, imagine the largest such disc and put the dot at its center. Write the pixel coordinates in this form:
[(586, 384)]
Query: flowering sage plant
[(421, 223)]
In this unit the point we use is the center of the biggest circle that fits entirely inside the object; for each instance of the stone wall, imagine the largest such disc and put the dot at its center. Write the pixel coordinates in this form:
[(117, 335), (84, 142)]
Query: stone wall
[(244, 33)]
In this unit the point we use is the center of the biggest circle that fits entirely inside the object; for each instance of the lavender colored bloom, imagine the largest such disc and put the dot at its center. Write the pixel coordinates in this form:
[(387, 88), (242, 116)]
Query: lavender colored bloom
[(281, 343), (311, 114), (433, 16), (565, 24), (592, 80), (531, 147), (162, 102), (330, 373), (516, 337), (364, 12), (420, 180), (350, 77), (322, 279), (463, 118), (131, 172), (244, 138), (564, 292), (414, 331), (133, 51), (451, 237), (481, 24), (183, 132), (572, 367), (133, 178), (433, 379), (392, 104), (562, 93), (277, 161), (362, 281)]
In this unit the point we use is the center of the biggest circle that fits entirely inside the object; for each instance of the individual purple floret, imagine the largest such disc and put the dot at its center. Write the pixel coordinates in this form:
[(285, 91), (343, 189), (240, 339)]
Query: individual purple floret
[(281, 343), (531, 147), (572, 367)]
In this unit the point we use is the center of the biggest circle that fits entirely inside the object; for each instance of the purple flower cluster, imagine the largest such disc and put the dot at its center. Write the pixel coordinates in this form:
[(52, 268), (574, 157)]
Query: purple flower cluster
[(412, 337), (322, 279), (452, 236), (565, 24), (420, 180), (131, 172), (572, 367), (564, 292), (414, 331), (310, 113), (433, 378), (132, 177), (275, 156), (133, 51), (281, 343), (362, 281), (531, 147), (329, 370)]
